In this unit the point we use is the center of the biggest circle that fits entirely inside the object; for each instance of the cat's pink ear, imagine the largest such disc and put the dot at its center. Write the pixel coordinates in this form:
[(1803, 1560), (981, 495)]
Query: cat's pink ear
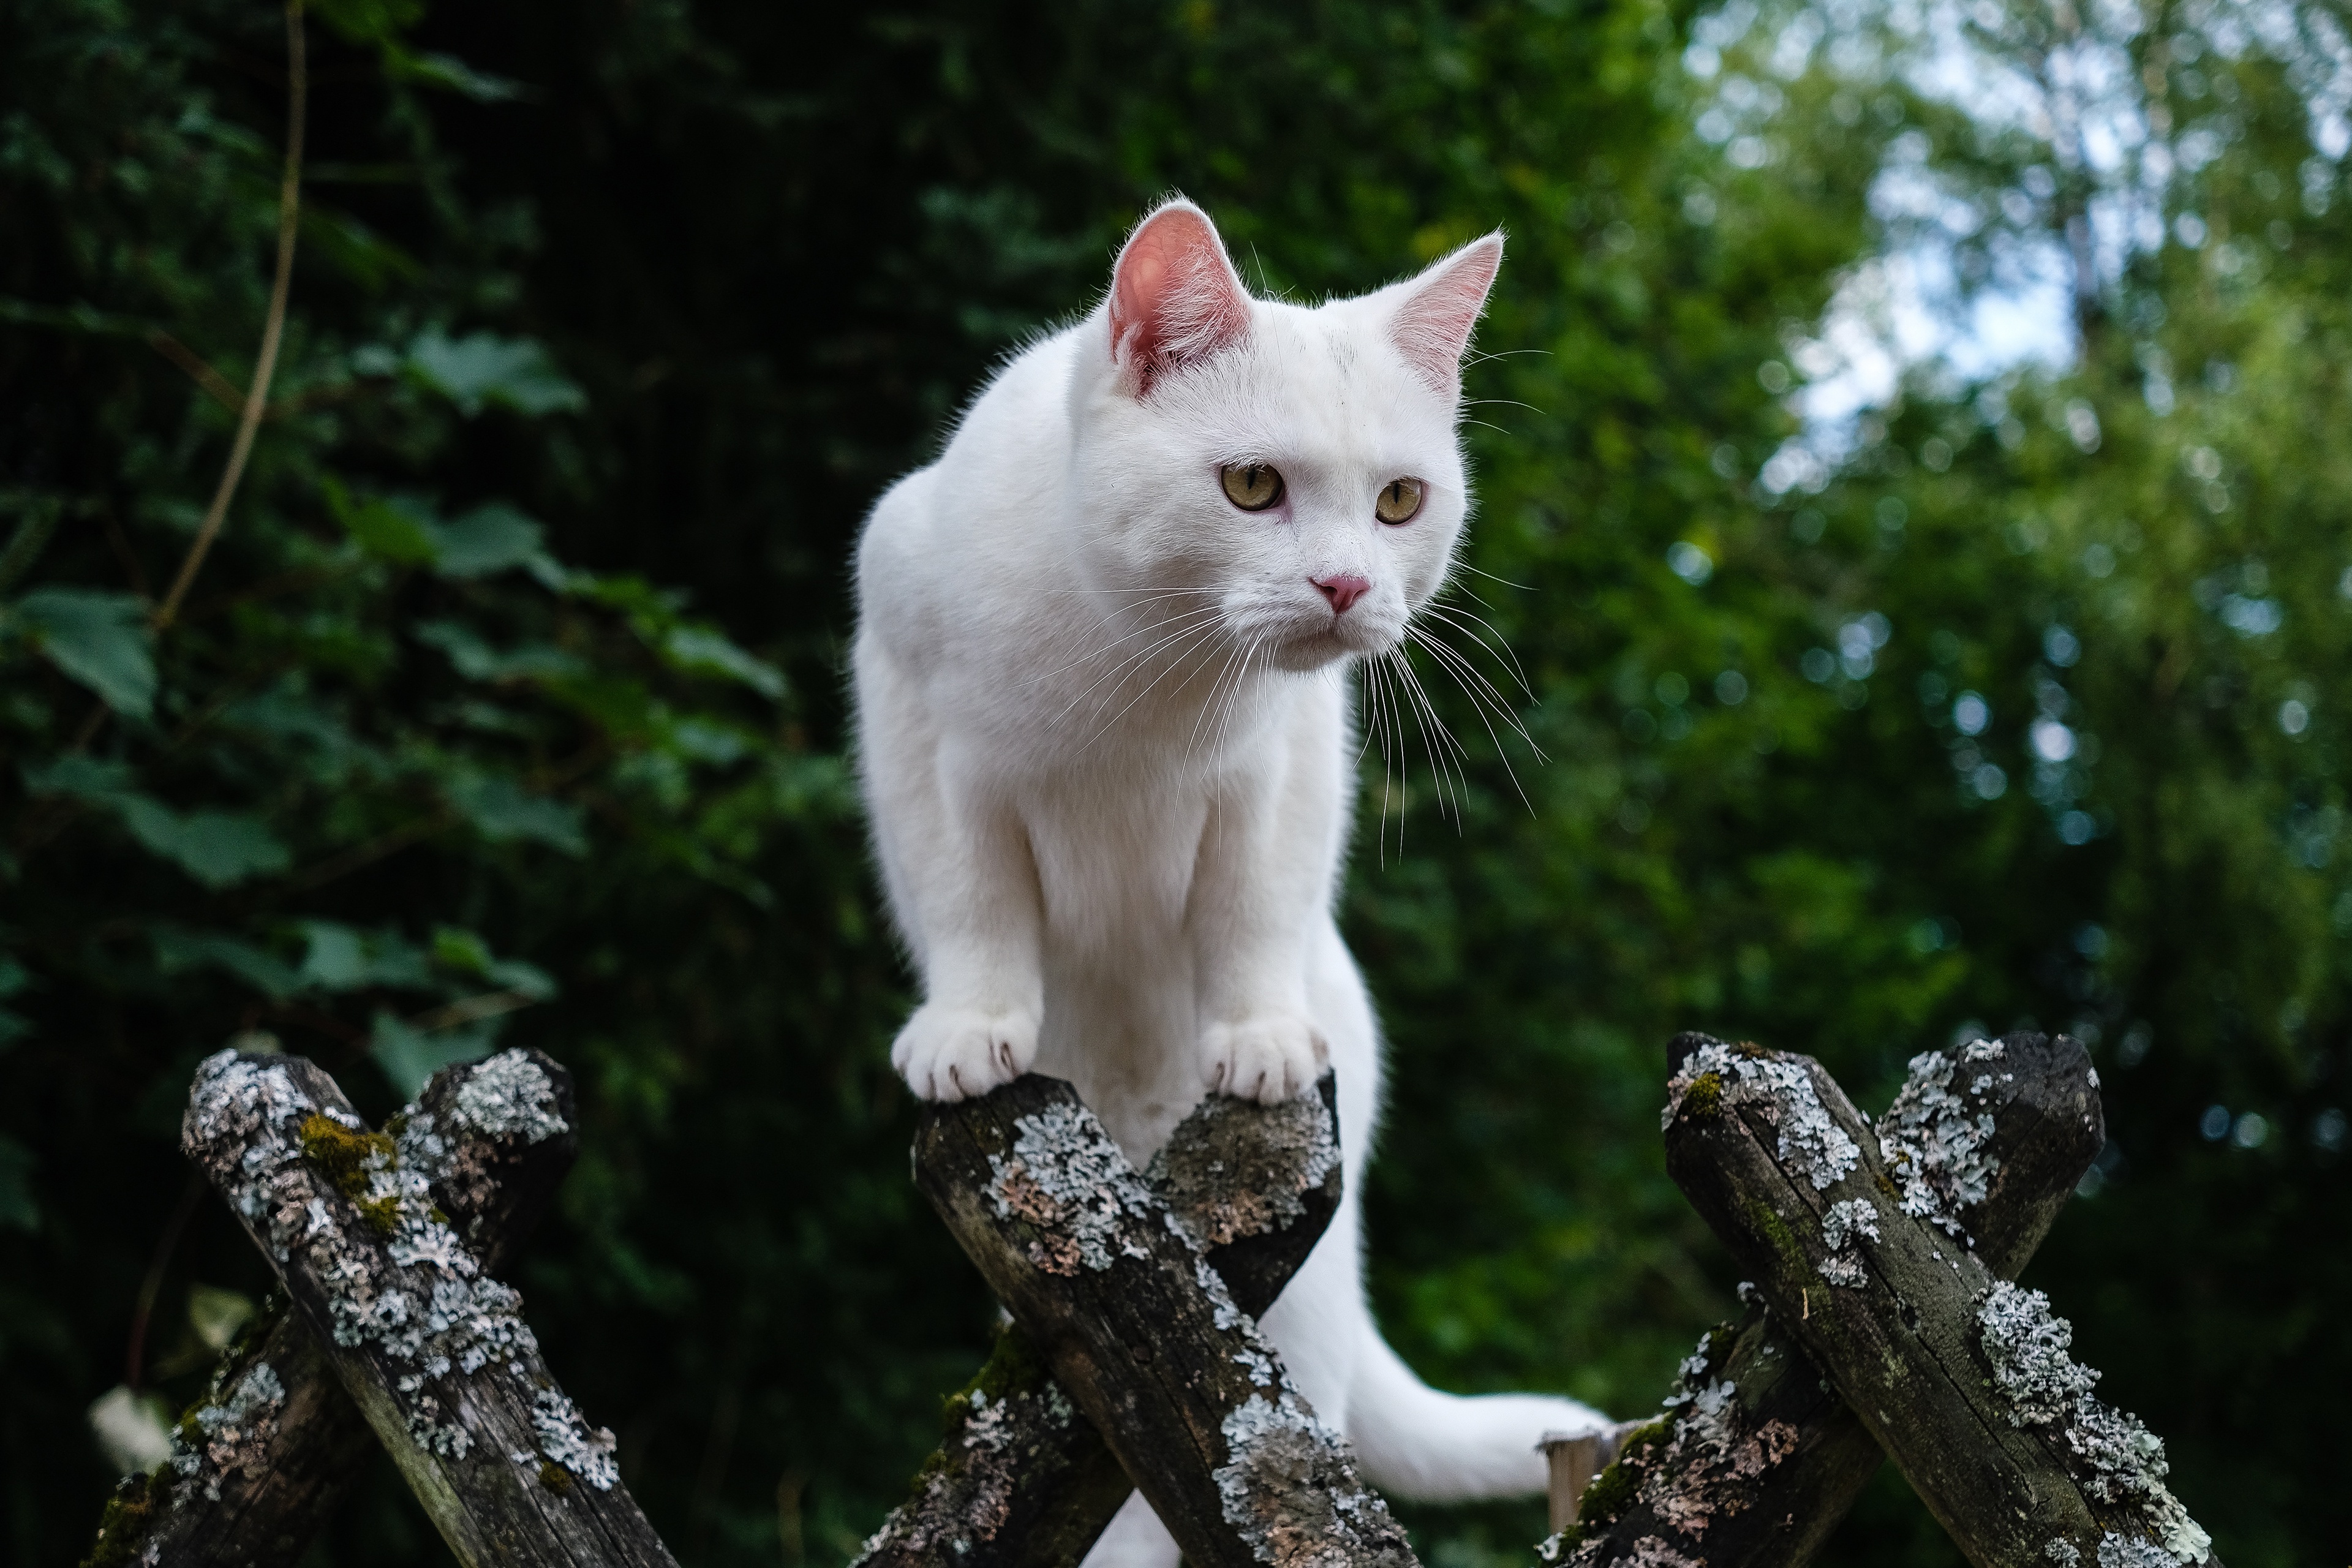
[(1174, 298), (1432, 325)]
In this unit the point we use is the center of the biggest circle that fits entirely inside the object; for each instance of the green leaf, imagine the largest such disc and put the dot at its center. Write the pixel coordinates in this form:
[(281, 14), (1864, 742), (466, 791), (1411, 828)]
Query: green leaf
[(92, 779), (500, 812), (99, 639), (488, 538), (454, 947), (17, 1210), (342, 957), (396, 529), (218, 848), (704, 651), (370, 21), (482, 368), (449, 72), (409, 1056), (478, 660), (178, 949)]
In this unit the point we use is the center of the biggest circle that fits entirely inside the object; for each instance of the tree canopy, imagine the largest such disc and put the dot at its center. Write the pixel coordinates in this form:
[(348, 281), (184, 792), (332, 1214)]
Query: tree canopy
[(1842, 713)]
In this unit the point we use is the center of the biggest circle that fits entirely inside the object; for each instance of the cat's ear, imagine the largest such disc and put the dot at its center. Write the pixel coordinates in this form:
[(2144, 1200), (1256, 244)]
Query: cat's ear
[(1437, 311), (1174, 297)]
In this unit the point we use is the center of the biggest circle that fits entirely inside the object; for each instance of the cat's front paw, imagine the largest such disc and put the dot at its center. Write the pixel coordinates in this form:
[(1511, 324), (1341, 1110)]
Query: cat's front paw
[(1268, 1059), (961, 1053)]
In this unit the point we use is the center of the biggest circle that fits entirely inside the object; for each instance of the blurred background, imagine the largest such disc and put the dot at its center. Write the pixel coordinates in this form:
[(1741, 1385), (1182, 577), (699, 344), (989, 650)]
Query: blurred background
[(1914, 534)]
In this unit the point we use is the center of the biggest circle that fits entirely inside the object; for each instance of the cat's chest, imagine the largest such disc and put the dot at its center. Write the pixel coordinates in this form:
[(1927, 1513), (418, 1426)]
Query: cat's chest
[(1115, 857)]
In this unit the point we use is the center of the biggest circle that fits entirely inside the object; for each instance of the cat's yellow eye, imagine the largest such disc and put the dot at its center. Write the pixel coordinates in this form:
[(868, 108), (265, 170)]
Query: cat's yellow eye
[(1253, 487), (1400, 500)]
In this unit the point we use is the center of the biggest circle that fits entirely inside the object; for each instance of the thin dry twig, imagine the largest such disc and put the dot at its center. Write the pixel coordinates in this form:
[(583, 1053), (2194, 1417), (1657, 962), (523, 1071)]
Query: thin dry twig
[(256, 396)]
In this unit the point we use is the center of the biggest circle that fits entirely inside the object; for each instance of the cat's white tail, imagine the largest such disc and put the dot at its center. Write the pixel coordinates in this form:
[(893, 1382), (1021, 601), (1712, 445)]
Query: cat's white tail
[(1448, 1448)]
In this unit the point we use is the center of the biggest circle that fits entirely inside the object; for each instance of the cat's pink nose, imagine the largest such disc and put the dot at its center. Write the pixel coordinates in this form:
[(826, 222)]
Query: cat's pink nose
[(1343, 589)]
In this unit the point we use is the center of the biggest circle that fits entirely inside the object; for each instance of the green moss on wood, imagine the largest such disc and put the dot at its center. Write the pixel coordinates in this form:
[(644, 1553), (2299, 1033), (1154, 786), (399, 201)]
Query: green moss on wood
[(1614, 1490), (348, 1158), (554, 1476), (123, 1526), (1774, 1229), (1702, 1101)]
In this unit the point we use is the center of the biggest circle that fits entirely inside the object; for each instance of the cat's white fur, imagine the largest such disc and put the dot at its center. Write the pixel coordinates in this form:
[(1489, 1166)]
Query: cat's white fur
[(1106, 736)]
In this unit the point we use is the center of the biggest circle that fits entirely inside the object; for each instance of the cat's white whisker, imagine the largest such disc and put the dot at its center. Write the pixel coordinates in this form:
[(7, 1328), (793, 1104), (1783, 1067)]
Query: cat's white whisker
[(1469, 622), (1192, 621), (1463, 674), (1481, 692)]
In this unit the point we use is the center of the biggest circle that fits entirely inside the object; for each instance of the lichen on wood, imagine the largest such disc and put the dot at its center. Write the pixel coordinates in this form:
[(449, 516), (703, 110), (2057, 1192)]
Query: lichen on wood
[(430, 1345), (2046, 1129), (1144, 1338), (1021, 1480), (1902, 1339)]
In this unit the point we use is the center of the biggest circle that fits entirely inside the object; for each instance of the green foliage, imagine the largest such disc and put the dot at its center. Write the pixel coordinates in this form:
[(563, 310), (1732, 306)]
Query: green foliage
[(508, 706)]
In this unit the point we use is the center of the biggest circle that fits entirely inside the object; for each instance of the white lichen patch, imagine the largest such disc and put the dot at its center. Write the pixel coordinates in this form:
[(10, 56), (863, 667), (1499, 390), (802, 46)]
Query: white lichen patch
[(1849, 1218), (233, 1433), (1812, 1143), (2134, 1551), (1290, 1488), (1844, 1270), (508, 1097), (2062, 1552), (1934, 1140), (2028, 1348), (1234, 1168), (566, 1439), (1068, 1179), (2110, 1452)]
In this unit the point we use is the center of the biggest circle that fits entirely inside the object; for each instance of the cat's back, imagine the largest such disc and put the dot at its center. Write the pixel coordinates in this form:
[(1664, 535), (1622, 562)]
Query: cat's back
[(955, 542)]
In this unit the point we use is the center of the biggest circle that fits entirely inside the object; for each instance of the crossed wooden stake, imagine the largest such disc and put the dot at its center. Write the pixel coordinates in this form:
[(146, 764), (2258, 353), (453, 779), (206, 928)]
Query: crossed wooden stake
[(1880, 1319)]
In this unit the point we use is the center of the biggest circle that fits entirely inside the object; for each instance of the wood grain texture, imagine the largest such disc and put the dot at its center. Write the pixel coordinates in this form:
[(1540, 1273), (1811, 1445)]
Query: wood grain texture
[(252, 1480), (432, 1348), (1959, 1376), (1758, 1475), (1023, 1480), (1142, 1334)]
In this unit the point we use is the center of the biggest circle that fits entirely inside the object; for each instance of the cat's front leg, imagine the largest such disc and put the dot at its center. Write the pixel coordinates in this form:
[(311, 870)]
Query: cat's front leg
[(964, 888), (970, 896), (1263, 874)]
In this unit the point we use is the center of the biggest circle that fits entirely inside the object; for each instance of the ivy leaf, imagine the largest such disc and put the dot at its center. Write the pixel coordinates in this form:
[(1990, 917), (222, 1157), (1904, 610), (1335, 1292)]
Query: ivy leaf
[(705, 651), (488, 538), (342, 957), (501, 812), (218, 848), (448, 73), (178, 949), (398, 529), (101, 640), (478, 660), (409, 1056), (482, 368)]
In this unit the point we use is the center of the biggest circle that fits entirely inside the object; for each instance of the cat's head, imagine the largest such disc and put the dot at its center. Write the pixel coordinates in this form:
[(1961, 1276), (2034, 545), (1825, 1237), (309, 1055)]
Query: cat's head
[(1298, 469)]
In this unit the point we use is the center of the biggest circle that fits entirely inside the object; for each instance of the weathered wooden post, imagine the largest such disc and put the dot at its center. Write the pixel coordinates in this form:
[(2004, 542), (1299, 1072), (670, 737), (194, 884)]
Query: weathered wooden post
[(1144, 1337), (1022, 1480), (1961, 1377), (1758, 1458), (253, 1473), (432, 1348)]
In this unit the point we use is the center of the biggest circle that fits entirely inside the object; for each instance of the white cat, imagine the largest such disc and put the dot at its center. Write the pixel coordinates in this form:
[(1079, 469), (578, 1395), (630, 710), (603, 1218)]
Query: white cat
[(1105, 730)]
